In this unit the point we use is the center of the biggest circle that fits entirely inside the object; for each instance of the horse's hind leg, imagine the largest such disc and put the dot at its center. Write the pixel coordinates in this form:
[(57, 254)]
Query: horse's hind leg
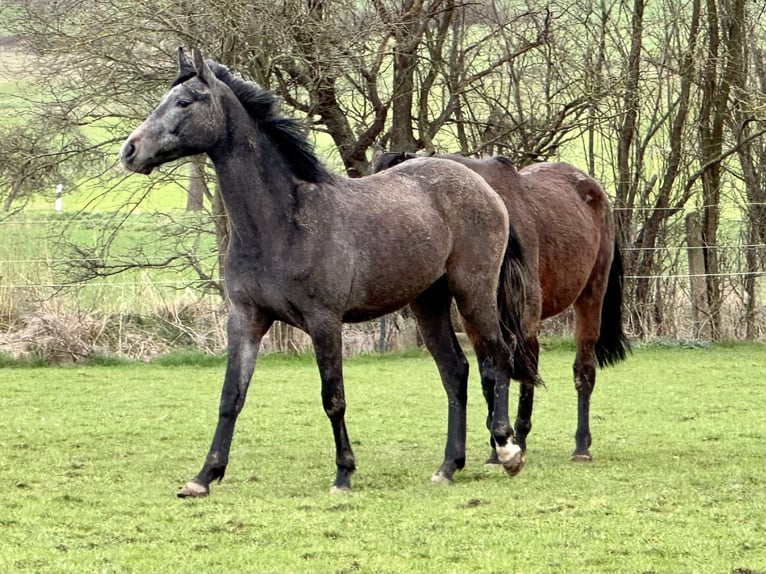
[(523, 423), (432, 311), (526, 398), (587, 324), (494, 359)]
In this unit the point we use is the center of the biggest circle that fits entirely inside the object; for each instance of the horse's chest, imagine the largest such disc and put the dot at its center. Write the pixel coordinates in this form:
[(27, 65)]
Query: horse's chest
[(265, 282)]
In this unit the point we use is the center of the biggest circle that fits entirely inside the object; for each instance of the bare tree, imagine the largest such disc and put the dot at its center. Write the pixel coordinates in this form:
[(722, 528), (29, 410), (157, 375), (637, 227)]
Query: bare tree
[(656, 100), (721, 68), (747, 124), (665, 204)]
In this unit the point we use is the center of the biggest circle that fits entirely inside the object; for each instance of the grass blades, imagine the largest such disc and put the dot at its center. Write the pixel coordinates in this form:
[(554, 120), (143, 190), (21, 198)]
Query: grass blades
[(93, 456)]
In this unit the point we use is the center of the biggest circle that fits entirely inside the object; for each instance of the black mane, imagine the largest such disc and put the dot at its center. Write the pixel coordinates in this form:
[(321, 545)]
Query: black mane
[(288, 135)]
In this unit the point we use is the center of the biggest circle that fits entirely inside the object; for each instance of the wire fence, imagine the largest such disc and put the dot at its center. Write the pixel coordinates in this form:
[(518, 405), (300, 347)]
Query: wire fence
[(41, 307)]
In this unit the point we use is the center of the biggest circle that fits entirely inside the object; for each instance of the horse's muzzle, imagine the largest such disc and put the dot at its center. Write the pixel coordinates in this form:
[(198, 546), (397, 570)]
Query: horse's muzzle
[(129, 155)]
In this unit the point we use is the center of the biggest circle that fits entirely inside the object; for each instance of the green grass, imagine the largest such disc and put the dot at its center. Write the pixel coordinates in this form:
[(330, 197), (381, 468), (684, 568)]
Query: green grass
[(93, 456)]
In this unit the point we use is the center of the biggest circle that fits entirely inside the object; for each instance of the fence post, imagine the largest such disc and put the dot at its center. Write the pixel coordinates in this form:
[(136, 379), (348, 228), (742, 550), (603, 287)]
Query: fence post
[(700, 304), (382, 337)]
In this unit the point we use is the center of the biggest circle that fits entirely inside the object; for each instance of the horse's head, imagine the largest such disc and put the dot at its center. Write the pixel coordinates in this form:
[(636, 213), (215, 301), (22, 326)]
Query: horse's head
[(389, 159), (188, 120)]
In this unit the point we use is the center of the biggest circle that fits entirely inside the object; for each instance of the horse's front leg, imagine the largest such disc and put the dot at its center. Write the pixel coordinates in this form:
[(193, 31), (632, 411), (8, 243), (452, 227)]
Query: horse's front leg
[(245, 329), (328, 347)]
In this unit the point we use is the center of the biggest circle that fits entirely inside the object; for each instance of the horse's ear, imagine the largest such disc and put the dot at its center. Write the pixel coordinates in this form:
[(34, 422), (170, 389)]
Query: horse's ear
[(203, 71), (185, 67)]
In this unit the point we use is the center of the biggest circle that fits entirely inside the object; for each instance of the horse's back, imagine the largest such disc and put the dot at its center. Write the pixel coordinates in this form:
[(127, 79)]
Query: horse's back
[(569, 229), (445, 181), (555, 179), (409, 225), (460, 196)]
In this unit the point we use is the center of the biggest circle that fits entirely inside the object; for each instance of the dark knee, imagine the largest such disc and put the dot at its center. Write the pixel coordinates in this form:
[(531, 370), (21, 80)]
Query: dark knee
[(459, 372), (334, 406), (462, 369)]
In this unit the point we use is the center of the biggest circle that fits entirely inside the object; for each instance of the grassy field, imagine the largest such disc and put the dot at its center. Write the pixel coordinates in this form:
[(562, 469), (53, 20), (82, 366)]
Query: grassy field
[(93, 456)]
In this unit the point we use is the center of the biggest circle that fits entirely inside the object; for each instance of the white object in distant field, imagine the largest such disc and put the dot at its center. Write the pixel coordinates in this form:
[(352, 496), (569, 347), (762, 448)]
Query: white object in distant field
[(59, 201)]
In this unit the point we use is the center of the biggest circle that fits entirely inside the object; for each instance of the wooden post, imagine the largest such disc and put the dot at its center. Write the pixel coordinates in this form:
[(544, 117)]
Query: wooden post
[(382, 337), (700, 304)]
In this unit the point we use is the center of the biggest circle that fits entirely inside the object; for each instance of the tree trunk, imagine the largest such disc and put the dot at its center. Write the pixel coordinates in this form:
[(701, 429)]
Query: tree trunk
[(722, 68), (407, 29), (625, 190), (195, 196), (752, 160)]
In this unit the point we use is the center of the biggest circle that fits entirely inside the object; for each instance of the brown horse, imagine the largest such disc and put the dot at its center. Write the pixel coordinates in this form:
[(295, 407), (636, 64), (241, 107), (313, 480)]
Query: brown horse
[(314, 250), (564, 222)]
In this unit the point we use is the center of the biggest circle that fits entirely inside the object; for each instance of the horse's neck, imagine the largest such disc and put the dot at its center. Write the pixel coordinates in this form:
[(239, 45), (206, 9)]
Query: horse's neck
[(256, 189)]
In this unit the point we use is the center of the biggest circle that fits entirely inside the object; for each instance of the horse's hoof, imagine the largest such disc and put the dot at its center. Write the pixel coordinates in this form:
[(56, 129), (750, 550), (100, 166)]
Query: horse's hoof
[(340, 489), (193, 490), (512, 458), (514, 466), (440, 478), (582, 457)]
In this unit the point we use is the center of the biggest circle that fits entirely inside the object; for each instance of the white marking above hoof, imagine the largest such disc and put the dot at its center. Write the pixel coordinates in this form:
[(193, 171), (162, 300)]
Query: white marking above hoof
[(511, 457), (508, 452), (439, 478), (193, 490), (340, 490)]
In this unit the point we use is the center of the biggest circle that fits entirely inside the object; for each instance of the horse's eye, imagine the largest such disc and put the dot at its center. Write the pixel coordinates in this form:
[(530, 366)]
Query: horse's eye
[(183, 103)]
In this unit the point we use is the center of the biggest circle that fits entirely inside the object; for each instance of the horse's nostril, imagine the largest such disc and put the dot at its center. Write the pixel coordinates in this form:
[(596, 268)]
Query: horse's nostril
[(129, 150)]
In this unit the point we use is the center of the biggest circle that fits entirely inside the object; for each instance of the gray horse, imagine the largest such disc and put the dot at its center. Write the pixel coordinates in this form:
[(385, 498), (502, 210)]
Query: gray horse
[(314, 250)]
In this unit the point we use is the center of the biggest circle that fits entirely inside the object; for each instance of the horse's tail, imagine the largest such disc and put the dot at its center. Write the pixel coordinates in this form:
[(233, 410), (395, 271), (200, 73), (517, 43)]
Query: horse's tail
[(612, 345), (511, 303)]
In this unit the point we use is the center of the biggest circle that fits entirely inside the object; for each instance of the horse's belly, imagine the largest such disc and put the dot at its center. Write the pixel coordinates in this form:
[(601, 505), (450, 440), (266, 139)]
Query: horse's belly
[(560, 288), (388, 292), (557, 301)]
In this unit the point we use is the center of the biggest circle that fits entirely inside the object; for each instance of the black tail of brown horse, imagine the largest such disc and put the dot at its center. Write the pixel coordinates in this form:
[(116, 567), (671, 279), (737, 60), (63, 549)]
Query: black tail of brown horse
[(612, 345), (511, 301)]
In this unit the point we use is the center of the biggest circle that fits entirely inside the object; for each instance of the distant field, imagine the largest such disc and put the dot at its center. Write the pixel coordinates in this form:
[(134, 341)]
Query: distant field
[(12, 64), (93, 457), (12, 84), (35, 261)]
